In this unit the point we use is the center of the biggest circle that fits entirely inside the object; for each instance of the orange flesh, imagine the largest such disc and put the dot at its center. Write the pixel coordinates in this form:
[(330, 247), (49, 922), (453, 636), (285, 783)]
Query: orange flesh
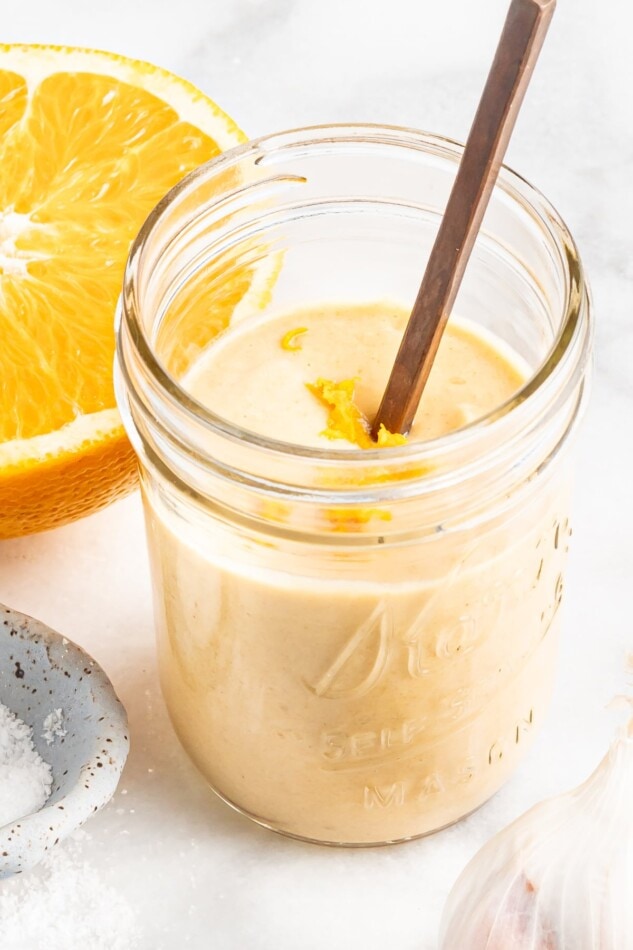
[(98, 154)]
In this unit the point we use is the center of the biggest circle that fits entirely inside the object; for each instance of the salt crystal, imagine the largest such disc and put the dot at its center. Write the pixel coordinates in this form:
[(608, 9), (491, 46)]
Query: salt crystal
[(25, 779), (65, 904), (54, 726)]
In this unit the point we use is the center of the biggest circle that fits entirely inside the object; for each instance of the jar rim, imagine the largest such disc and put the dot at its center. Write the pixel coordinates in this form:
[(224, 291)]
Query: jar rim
[(575, 320)]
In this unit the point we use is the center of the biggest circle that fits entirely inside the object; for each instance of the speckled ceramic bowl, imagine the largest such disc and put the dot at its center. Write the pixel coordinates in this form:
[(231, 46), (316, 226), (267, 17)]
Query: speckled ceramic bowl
[(41, 671)]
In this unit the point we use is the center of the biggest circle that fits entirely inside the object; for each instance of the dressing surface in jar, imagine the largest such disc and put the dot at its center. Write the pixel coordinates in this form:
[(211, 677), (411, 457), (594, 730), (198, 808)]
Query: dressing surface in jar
[(356, 645)]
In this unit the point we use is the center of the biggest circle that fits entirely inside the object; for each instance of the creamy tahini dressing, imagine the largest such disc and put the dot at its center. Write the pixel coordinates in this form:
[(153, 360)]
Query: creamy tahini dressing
[(250, 379), (366, 694)]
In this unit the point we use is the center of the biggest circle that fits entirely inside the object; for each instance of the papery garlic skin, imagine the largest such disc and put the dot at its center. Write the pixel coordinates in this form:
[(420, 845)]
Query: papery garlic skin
[(558, 878)]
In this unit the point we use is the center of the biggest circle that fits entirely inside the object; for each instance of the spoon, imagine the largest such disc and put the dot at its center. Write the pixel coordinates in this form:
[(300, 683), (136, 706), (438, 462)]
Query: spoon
[(519, 46)]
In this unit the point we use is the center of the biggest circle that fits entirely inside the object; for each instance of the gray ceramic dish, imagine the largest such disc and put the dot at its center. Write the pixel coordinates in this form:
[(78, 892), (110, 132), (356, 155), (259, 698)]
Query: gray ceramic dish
[(41, 671)]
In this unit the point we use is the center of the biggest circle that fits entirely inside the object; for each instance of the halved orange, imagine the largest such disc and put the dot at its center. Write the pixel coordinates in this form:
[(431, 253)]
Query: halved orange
[(89, 142)]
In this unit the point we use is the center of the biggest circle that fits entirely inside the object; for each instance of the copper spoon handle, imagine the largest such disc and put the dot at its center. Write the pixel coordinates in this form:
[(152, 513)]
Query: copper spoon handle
[(510, 73)]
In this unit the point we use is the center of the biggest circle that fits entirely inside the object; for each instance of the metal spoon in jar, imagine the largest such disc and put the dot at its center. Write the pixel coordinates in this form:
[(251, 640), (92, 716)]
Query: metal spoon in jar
[(518, 50)]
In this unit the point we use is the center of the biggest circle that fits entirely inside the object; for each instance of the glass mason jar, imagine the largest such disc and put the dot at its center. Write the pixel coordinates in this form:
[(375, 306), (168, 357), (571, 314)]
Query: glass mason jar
[(355, 647)]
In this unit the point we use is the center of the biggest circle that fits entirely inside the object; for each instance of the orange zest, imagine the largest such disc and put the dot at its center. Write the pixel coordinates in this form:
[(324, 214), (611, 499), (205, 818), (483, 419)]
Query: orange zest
[(289, 339), (353, 519), (345, 420)]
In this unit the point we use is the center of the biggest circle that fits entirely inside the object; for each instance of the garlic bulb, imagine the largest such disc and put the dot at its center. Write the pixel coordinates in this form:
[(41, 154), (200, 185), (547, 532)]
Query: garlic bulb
[(558, 878)]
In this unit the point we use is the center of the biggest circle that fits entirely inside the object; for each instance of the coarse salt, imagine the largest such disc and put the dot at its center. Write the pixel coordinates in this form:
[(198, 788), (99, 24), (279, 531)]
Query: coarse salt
[(25, 779), (66, 904), (54, 726)]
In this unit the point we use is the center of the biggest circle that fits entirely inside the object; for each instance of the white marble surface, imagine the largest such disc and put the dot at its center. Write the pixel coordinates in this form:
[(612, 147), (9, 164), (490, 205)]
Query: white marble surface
[(195, 874)]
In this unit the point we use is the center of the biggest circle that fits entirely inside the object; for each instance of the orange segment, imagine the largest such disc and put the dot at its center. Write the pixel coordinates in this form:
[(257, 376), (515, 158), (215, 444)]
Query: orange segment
[(13, 99), (89, 142)]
